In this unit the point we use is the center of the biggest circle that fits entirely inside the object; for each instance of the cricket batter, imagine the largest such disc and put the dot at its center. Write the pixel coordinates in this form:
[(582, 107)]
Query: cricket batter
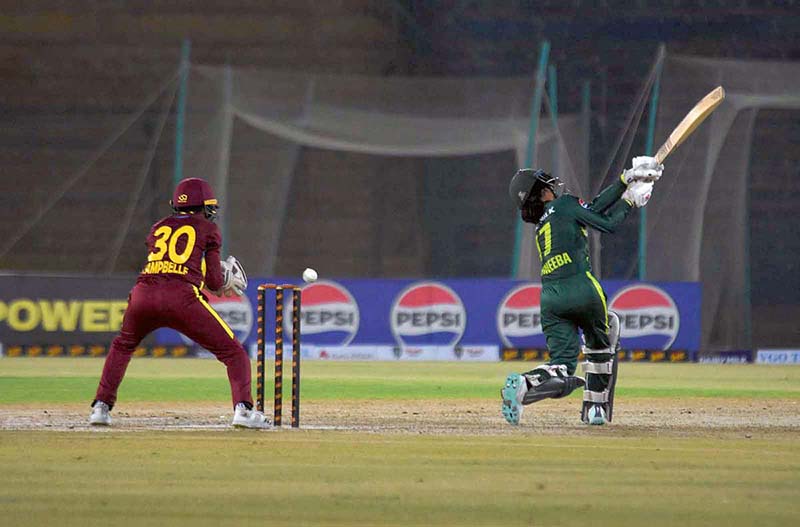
[(183, 257), (572, 298)]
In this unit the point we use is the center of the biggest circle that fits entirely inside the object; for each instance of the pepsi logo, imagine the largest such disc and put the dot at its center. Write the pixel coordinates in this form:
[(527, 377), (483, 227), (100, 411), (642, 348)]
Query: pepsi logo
[(329, 314), (236, 311), (519, 319), (649, 318), (428, 313)]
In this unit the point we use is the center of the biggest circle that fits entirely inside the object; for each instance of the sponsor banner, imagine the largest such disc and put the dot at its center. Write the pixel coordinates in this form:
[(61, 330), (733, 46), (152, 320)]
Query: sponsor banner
[(61, 310), (392, 353), (649, 317), (726, 357), (542, 355), (425, 353), (355, 353), (459, 319), (428, 313), (478, 353), (672, 355), (95, 350), (778, 356), (330, 315), (519, 319), (530, 355)]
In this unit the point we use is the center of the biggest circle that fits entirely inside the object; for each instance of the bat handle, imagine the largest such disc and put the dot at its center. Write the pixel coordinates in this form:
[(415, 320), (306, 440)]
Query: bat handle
[(662, 153)]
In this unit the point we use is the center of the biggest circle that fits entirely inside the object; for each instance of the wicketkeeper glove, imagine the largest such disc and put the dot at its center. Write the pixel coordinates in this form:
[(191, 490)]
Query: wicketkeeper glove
[(643, 168), (234, 279), (638, 193)]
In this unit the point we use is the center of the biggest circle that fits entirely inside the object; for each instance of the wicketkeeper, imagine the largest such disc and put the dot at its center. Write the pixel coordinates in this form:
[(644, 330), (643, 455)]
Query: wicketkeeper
[(183, 258), (572, 298)]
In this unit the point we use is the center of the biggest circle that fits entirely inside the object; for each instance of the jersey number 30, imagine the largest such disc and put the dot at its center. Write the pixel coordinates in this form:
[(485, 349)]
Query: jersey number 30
[(167, 243), (544, 240)]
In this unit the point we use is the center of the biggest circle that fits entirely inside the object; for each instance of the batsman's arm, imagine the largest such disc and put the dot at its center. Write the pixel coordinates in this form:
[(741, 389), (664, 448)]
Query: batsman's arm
[(604, 221), (609, 195)]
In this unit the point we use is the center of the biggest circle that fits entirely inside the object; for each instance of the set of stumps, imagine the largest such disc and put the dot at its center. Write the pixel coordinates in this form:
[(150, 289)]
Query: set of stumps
[(280, 291)]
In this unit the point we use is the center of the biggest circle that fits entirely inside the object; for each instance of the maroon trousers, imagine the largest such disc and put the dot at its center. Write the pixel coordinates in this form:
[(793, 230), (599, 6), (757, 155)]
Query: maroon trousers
[(180, 306)]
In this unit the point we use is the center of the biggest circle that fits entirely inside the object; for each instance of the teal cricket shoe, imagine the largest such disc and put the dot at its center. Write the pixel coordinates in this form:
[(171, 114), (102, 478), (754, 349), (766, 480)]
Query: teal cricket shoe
[(512, 393), (596, 415)]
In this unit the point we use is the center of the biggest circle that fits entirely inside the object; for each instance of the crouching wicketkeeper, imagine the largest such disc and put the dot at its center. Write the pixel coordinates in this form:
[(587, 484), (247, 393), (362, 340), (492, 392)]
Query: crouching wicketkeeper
[(182, 260)]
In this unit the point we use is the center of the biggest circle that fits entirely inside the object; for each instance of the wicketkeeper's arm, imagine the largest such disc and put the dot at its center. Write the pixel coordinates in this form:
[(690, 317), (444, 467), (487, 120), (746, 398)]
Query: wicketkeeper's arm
[(213, 278)]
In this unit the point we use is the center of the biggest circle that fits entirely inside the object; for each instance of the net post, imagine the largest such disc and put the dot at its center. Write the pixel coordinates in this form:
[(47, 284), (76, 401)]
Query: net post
[(648, 148), (552, 95), (530, 151), (180, 118)]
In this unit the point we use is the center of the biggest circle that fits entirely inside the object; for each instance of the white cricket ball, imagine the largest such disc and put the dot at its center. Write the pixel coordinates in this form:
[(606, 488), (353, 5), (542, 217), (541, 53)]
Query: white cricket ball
[(310, 275)]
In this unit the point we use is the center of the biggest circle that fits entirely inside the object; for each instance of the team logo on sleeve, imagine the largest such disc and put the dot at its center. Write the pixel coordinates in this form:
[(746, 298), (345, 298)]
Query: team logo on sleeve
[(329, 313), (649, 318), (519, 319), (428, 314)]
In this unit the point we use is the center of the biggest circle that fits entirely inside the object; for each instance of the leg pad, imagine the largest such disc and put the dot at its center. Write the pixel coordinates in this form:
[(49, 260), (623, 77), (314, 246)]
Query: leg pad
[(601, 373), (550, 382)]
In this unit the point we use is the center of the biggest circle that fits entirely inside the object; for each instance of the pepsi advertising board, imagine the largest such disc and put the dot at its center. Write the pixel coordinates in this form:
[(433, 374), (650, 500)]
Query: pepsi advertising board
[(459, 319)]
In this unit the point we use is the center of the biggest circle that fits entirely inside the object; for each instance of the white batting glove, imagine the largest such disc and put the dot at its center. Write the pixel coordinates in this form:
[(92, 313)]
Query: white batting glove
[(234, 279), (638, 193), (644, 162), (643, 168)]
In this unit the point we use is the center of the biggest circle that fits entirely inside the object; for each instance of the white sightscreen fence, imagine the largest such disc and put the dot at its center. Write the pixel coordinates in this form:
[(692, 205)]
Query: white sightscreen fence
[(698, 221), (245, 131)]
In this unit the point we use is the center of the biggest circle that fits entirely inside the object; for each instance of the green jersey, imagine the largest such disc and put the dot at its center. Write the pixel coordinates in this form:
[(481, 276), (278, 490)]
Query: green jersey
[(561, 236)]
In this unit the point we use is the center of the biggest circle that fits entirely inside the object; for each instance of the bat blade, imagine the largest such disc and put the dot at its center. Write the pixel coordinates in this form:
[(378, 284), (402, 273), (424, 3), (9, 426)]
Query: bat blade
[(692, 120)]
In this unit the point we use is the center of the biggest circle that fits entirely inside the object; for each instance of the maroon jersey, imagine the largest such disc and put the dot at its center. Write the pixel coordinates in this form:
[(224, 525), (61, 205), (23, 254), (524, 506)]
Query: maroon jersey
[(184, 247)]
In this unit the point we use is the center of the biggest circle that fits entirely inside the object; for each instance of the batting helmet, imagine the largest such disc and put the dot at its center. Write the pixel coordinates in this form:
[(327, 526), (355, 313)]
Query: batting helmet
[(528, 183)]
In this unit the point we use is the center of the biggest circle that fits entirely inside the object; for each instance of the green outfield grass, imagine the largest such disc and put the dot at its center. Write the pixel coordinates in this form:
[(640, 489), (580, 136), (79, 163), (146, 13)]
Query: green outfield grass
[(325, 478), (608, 476), (55, 380)]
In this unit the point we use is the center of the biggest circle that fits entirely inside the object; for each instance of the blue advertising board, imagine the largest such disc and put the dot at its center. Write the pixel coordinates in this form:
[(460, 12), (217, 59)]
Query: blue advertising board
[(468, 319)]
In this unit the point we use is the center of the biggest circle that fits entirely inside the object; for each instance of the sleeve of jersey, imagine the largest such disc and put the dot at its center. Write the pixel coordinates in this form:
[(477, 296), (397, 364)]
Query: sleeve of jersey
[(150, 240), (608, 196), (213, 278), (603, 221)]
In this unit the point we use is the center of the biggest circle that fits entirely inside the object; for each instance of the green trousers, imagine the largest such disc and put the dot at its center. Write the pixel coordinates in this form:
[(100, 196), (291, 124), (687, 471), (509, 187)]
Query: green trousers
[(568, 304)]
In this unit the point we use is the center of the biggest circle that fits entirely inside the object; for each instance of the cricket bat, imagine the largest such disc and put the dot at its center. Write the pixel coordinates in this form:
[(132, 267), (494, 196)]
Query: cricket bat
[(692, 120)]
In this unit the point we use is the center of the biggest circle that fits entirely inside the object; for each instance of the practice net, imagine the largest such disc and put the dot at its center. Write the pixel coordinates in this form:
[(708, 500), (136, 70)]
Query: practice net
[(373, 176), (705, 220)]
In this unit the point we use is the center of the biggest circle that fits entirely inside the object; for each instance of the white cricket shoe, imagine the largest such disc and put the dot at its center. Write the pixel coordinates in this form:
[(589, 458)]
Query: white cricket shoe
[(101, 415), (245, 418)]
